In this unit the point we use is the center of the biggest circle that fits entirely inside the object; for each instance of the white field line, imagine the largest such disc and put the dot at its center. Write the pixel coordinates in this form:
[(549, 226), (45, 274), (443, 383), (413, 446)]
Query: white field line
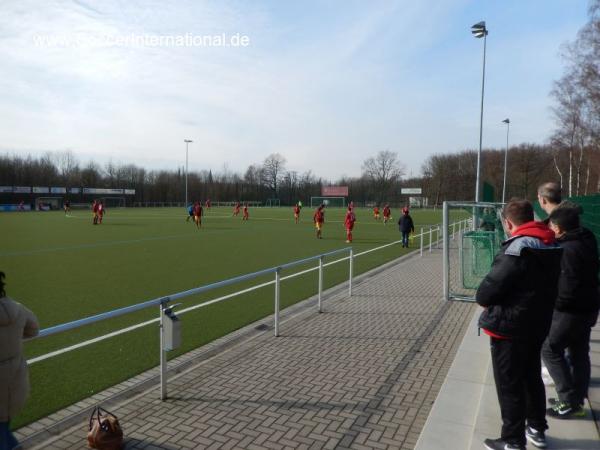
[(202, 305)]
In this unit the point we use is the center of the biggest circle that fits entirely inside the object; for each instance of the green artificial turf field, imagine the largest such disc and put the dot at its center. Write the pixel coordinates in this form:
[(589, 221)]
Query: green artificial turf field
[(64, 268)]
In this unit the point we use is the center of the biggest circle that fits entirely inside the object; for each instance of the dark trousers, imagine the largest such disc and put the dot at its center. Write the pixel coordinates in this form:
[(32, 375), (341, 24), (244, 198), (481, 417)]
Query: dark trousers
[(518, 376), (405, 235), (7, 439), (569, 333)]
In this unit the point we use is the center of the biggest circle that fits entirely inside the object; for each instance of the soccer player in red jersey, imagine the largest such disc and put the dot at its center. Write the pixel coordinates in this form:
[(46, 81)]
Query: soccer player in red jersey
[(198, 214), (245, 216), (95, 212), (349, 224), (387, 214), (319, 220), (101, 211), (376, 212), (296, 213), (236, 209)]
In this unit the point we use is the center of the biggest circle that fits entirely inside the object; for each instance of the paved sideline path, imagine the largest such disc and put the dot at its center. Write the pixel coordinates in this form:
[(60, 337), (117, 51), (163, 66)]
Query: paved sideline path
[(363, 375)]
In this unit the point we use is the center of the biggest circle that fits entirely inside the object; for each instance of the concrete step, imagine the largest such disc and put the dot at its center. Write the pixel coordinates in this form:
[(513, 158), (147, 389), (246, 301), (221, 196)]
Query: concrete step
[(466, 410)]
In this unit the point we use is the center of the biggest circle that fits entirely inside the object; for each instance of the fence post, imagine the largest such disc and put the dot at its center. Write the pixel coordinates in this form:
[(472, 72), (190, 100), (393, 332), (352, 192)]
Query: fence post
[(163, 355), (430, 237), (320, 283), (460, 257), (351, 272), (421, 241), (445, 252), (277, 292)]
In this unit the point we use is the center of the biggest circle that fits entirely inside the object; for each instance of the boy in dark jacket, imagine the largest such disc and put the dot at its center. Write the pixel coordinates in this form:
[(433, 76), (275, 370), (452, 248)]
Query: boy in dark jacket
[(575, 313), (406, 225), (517, 317)]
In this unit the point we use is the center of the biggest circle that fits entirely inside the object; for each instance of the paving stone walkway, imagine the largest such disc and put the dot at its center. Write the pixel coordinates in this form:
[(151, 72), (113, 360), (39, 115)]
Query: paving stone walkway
[(363, 375)]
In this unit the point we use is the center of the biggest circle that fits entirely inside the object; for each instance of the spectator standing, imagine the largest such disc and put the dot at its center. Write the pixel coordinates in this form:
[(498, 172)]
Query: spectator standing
[(406, 226), (517, 317), (575, 313), (16, 323), (549, 196)]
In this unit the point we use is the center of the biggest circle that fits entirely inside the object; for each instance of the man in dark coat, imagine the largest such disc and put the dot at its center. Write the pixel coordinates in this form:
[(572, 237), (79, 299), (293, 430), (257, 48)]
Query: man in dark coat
[(517, 317), (406, 225), (575, 313)]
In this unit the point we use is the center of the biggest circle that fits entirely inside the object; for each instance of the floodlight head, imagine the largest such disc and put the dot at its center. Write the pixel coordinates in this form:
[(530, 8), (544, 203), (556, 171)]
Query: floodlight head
[(479, 30), (506, 120)]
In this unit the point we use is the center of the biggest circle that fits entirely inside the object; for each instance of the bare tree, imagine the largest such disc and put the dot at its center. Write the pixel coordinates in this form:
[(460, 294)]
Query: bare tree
[(272, 172), (383, 170)]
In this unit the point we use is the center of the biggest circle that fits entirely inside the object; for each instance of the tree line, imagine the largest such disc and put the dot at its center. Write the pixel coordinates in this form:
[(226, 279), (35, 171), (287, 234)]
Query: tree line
[(380, 181)]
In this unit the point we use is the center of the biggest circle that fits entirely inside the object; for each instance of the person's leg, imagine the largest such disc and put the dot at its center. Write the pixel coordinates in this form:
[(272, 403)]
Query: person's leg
[(535, 391), (579, 351), (7, 439), (508, 376), (553, 354)]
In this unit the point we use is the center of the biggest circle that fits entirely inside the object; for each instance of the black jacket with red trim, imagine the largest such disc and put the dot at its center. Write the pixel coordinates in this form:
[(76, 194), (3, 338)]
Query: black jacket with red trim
[(519, 291)]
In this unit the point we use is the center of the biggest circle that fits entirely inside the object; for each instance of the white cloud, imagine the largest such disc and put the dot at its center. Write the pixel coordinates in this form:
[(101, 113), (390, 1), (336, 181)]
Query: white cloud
[(324, 84)]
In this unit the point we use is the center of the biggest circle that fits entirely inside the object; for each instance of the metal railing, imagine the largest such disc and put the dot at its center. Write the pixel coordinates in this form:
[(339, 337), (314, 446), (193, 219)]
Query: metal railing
[(163, 303), (165, 306)]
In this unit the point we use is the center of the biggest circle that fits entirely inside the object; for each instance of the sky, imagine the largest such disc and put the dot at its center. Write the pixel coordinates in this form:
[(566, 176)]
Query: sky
[(326, 83)]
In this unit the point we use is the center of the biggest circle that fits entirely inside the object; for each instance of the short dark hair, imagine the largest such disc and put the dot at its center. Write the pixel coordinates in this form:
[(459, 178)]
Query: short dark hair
[(551, 192), (2, 284), (566, 218), (519, 211)]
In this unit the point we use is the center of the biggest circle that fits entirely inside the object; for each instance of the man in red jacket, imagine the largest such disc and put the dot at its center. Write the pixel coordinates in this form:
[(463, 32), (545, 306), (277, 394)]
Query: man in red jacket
[(517, 298)]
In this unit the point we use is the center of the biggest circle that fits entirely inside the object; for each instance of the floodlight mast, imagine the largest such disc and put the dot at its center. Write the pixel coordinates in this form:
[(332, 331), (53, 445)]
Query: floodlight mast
[(507, 122), (480, 31), (187, 142)]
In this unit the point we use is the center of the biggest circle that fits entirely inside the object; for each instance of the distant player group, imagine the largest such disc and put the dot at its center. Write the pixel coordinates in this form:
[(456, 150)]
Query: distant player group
[(98, 211), (196, 212), (405, 222)]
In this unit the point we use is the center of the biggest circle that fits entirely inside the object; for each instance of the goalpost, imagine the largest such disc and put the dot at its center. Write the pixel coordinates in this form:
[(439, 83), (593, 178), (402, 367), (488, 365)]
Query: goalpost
[(48, 203), (469, 249), (332, 202)]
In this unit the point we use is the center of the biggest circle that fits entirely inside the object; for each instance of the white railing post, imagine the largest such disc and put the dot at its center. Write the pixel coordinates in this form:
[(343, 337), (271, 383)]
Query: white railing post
[(460, 257), (445, 252), (320, 283), (421, 241), (430, 237), (351, 272), (163, 356), (277, 292)]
